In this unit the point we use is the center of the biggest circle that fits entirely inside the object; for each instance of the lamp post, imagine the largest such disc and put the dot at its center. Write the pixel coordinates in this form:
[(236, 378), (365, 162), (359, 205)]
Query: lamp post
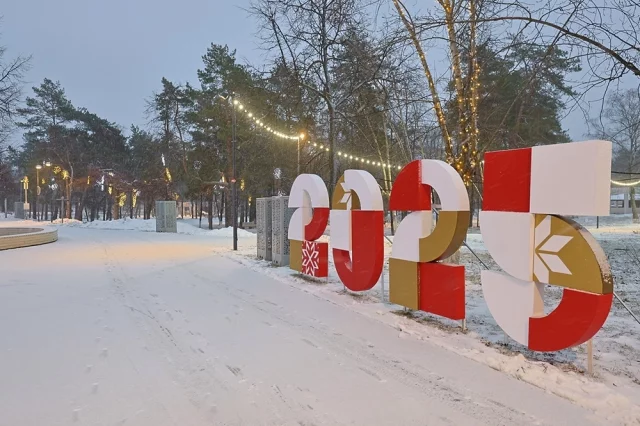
[(234, 187), (234, 190), (38, 189), (38, 168), (26, 189)]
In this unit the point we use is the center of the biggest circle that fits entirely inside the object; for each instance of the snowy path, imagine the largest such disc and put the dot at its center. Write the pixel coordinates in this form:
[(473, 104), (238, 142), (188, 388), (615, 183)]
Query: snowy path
[(130, 328)]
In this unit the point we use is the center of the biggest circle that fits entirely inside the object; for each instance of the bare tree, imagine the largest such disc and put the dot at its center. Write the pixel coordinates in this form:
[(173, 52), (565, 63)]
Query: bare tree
[(460, 23), (308, 36), (620, 123), (11, 74), (602, 35), (605, 33)]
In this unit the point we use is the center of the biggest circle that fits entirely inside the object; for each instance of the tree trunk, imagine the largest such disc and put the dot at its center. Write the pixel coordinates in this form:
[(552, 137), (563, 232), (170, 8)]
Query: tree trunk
[(223, 207), (228, 211), (69, 192), (80, 206), (332, 141), (632, 199), (472, 207), (210, 213)]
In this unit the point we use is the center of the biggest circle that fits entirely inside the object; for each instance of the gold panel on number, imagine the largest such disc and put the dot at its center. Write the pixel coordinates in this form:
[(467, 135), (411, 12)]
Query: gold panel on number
[(295, 255), (403, 283), (567, 255), (343, 199), (446, 238)]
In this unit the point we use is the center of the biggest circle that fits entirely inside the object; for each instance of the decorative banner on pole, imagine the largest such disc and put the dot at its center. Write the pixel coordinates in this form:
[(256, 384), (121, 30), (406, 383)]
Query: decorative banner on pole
[(357, 230), (310, 197), (417, 278), (525, 191)]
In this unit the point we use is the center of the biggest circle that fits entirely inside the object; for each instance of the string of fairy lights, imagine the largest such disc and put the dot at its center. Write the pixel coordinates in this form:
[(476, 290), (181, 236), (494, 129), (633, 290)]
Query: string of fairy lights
[(345, 155), (627, 184), (301, 137)]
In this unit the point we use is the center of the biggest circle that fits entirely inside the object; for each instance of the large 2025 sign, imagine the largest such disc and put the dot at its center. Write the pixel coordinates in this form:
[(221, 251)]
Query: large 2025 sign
[(526, 193)]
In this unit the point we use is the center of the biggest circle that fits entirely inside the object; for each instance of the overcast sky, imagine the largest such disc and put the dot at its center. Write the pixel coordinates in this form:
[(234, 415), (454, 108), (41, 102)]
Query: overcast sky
[(110, 55)]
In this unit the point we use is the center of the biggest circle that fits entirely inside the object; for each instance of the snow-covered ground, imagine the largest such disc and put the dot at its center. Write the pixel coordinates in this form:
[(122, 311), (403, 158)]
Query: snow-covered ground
[(614, 391), (153, 329)]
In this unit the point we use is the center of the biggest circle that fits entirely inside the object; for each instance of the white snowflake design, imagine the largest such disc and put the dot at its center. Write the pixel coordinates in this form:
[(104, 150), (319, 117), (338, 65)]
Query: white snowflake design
[(546, 256), (310, 258)]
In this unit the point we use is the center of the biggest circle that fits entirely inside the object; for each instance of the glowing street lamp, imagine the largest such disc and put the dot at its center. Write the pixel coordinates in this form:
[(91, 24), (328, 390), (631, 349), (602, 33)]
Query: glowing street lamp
[(300, 139)]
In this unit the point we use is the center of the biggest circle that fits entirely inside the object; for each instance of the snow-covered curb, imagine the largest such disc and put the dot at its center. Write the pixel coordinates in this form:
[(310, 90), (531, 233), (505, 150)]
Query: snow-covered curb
[(141, 226)]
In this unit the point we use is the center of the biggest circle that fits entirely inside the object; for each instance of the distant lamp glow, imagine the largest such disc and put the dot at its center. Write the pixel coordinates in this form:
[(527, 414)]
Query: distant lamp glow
[(38, 167), (48, 164), (302, 136)]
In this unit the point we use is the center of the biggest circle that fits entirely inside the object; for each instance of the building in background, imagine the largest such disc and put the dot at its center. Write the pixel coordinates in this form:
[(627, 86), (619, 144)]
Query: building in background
[(621, 201)]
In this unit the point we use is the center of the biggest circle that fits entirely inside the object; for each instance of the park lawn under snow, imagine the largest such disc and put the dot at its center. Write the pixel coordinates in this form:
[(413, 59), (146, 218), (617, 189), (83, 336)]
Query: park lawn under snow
[(184, 227)]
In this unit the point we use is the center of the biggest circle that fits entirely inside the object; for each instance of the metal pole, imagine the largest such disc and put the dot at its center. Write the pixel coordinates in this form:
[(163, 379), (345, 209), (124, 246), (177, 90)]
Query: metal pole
[(597, 222), (626, 307), (382, 286), (37, 192), (476, 256), (67, 211), (234, 194)]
